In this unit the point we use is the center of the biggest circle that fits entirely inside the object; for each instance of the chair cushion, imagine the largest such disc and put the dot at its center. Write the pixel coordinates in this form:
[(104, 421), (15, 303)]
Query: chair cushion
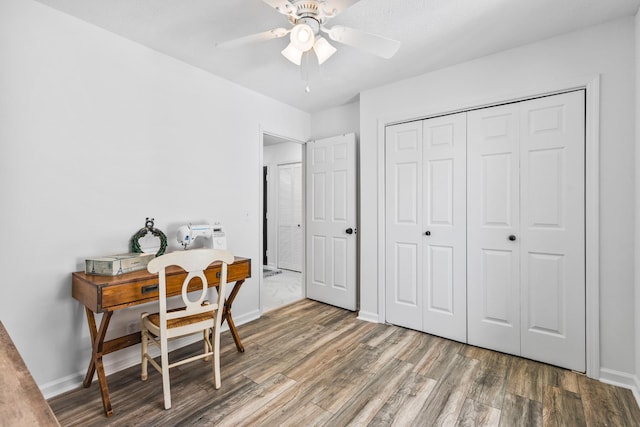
[(183, 321)]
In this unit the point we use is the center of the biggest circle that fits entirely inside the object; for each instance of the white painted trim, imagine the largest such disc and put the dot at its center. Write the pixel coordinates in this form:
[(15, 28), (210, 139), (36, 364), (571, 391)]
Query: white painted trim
[(592, 191), (382, 242), (621, 379), (303, 159), (368, 316), (261, 132), (127, 358), (592, 227)]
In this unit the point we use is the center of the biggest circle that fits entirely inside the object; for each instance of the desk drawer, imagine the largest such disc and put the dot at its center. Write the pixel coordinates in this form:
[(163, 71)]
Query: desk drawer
[(239, 270), (146, 290), (114, 296)]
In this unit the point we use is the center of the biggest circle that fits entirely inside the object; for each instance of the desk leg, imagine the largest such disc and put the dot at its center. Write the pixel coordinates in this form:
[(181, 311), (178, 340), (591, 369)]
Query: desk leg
[(97, 340), (226, 315)]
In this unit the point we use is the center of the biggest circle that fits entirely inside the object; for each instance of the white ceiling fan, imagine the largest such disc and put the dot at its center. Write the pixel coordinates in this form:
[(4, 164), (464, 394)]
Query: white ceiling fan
[(308, 18)]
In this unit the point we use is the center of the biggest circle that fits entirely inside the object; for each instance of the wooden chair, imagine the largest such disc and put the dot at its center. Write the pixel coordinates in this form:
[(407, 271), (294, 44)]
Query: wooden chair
[(196, 315)]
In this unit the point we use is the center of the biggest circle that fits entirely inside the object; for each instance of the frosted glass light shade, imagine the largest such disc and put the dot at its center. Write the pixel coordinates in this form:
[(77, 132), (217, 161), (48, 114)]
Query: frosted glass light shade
[(324, 50), (292, 53)]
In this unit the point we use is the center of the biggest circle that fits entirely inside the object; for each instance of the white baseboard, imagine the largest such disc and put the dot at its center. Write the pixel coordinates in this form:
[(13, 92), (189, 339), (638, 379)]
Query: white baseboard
[(368, 317), (621, 379), (126, 358)]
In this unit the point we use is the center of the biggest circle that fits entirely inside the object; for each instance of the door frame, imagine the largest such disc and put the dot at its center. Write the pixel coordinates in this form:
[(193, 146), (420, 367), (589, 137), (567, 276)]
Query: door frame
[(303, 145), (591, 85), (265, 235)]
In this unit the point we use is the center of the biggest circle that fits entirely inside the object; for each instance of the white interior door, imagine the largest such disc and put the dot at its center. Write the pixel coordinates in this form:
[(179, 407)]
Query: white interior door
[(493, 259), (444, 256), (552, 243), (289, 215), (331, 221)]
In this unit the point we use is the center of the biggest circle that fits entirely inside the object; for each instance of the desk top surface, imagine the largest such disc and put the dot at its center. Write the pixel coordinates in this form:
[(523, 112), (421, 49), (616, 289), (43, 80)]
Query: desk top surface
[(140, 275)]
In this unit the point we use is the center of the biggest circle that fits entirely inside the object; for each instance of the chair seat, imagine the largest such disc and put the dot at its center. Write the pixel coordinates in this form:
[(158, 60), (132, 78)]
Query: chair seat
[(154, 318)]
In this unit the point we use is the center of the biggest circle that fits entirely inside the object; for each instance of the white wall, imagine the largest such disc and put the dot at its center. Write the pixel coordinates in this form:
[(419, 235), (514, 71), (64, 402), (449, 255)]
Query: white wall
[(606, 50), (97, 133), (274, 155), (336, 121)]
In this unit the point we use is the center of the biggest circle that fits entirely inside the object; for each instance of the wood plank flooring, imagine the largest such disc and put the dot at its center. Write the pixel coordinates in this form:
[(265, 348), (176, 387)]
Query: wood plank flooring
[(310, 364)]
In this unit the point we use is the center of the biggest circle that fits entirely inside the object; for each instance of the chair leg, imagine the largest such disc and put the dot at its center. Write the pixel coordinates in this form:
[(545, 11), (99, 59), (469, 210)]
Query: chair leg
[(144, 345), (216, 358), (205, 343), (166, 387)]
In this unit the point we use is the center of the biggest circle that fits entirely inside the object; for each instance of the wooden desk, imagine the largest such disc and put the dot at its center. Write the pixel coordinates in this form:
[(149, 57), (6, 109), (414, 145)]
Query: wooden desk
[(105, 294)]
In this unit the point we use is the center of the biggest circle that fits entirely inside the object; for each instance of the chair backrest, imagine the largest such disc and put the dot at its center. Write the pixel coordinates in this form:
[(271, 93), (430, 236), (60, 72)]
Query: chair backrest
[(194, 262)]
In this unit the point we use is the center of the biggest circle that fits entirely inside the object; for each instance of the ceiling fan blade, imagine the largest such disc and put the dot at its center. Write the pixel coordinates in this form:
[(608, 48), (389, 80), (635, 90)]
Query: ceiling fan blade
[(372, 43), (283, 6), (276, 33), (335, 7)]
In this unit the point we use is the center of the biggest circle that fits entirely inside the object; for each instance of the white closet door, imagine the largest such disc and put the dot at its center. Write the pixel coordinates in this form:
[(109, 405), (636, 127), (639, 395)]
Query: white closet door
[(552, 231), (526, 265), (493, 259), (404, 231), (290, 234), (444, 258)]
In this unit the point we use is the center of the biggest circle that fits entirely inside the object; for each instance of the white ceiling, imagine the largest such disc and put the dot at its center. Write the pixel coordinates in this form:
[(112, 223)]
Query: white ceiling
[(434, 34)]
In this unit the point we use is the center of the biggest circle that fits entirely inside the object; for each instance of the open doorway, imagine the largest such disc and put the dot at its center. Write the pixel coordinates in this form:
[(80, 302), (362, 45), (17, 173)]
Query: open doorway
[(283, 227)]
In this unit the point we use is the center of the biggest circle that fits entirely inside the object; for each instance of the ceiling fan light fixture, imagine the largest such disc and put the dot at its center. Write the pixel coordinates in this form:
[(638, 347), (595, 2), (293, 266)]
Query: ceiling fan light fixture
[(292, 53), (302, 37), (324, 50)]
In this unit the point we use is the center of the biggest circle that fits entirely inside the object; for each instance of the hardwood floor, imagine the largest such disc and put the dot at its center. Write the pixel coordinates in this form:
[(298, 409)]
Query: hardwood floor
[(310, 364)]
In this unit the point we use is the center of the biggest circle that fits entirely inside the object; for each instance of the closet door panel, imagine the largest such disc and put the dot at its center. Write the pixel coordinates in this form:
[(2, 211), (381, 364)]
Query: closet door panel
[(403, 246), (444, 226), (493, 257), (553, 244), (497, 175)]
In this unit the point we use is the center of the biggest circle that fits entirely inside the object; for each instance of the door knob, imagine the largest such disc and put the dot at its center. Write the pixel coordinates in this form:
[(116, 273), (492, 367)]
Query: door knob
[(512, 238), (427, 233), (349, 230)]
